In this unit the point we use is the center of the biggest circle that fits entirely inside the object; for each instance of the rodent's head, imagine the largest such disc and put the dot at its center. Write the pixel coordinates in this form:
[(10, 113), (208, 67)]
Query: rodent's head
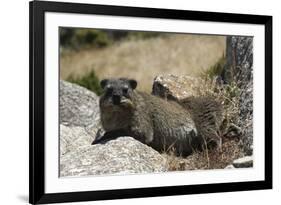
[(117, 92)]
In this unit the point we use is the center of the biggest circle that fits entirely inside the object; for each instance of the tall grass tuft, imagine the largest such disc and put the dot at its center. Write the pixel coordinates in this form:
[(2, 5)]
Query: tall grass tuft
[(216, 69)]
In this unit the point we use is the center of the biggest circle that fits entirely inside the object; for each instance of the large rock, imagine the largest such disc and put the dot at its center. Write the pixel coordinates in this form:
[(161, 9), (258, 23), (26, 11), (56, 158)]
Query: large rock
[(175, 87), (73, 137), (123, 155), (78, 106), (243, 162)]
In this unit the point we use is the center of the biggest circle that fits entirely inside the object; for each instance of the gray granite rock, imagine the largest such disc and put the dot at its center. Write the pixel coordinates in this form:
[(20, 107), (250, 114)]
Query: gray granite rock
[(175, 87), (78, 106), (243, 162), (123, 155), (230, 167), (73, 137)]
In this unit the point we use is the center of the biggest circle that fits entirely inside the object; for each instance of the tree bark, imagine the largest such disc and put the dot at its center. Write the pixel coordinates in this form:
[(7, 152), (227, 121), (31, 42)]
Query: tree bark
[(239, 69)]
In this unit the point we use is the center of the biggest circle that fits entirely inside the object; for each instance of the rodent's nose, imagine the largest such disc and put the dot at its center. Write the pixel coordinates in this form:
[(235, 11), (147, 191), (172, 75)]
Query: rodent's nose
[(116, 99)]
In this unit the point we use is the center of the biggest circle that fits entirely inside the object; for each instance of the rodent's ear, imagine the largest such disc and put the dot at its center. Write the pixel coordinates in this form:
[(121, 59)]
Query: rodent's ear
[(133, 83), (103, 83)]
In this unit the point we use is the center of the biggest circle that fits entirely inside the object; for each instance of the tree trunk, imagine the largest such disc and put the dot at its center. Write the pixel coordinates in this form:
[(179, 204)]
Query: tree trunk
[(239, 69)]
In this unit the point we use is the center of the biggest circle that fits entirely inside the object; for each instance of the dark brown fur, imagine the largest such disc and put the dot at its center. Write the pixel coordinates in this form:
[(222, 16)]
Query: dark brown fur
[(207, 114), (159, 123)]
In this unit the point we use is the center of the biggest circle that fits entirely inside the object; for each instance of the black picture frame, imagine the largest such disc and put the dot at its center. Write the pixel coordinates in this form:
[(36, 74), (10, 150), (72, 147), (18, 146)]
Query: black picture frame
[(37, 9)]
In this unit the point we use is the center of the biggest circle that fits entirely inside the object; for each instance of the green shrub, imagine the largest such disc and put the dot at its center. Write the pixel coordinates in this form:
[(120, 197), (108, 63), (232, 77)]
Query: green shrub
[(91, 37), (81, 38), (89, 81)]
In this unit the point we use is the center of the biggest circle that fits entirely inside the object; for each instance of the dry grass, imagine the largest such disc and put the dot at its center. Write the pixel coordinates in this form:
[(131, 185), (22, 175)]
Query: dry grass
[(144, 59), (207, 159)]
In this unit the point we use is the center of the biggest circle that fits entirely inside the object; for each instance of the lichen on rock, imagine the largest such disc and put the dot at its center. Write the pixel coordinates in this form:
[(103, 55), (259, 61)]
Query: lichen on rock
[(123, 155)]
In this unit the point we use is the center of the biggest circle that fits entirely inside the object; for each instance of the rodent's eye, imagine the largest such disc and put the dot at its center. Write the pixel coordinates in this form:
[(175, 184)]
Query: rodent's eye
[(125, 91)]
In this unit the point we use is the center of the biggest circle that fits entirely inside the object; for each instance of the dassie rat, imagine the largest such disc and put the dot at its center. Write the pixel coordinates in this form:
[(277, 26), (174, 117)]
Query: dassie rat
[(163, 125)]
